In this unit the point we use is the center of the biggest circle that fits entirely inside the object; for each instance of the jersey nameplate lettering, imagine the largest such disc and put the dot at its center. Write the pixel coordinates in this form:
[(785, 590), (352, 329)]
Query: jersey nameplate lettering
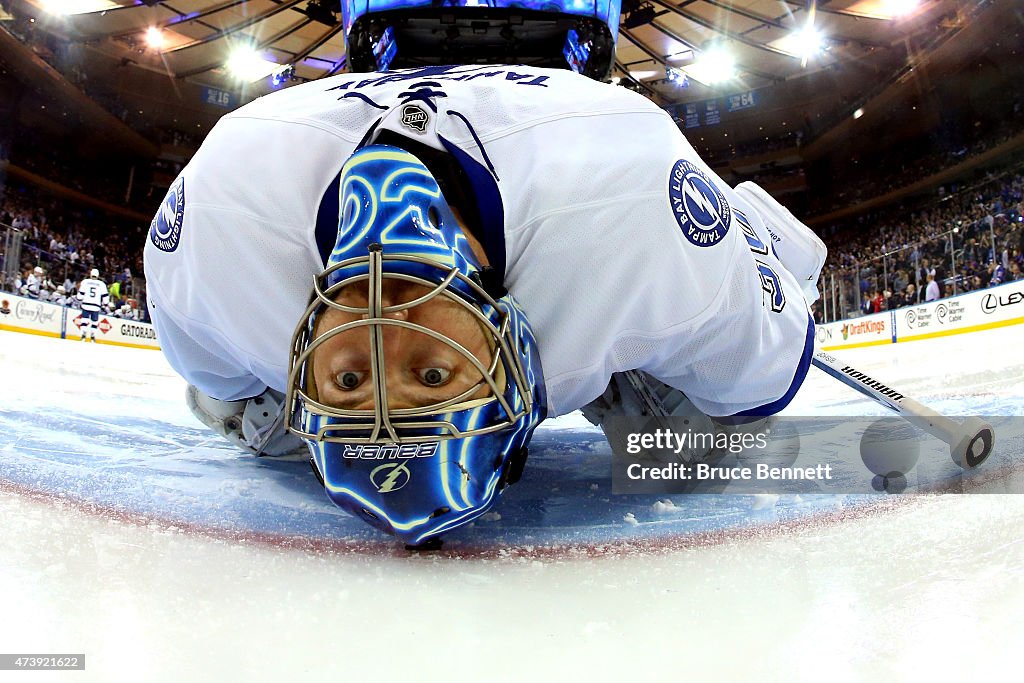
[(445, 73)]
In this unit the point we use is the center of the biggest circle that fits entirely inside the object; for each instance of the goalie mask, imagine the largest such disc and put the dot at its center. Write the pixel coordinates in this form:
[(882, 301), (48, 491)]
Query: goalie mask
[(414, 378)]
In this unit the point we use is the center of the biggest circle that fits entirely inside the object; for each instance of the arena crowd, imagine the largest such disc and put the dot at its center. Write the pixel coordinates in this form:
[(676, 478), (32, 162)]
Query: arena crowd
[(962, 239), (958, 243), (59, 247)]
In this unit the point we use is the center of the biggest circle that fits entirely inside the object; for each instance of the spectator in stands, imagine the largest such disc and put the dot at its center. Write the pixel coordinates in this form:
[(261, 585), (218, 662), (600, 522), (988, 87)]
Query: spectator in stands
[(931, 292), (900, 281), (954, 236), (910, 298), (877, 302), (924, 271), (1014, 272), (996, 273), (893, 300), (966, 279), (866, 303)]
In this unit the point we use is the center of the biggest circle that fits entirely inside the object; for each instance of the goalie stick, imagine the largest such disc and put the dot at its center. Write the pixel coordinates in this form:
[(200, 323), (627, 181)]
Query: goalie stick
[(970, 442)]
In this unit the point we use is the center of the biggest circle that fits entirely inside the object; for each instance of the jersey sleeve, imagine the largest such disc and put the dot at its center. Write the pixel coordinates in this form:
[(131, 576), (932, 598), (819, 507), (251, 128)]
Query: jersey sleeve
[(200, 360), (222, 305), (231, 253), (749, 351), (630, 253)]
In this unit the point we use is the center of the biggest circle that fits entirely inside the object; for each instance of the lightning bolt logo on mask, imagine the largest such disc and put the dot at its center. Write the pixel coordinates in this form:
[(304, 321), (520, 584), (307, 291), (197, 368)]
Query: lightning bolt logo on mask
[(698, 205), (390, 477)]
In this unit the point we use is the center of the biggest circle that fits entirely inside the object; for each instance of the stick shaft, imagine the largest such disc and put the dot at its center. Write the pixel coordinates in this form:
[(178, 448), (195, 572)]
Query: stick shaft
[(920, 415)]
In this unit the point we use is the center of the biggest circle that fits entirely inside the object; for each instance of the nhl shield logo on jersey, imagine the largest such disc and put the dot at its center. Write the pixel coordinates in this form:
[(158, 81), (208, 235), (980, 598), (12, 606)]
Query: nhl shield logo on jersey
[(699, 206), (165, 230), (413, 116)]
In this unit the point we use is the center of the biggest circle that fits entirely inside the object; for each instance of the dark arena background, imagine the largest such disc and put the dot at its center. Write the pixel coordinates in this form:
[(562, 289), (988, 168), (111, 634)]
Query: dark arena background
[(138, 542)]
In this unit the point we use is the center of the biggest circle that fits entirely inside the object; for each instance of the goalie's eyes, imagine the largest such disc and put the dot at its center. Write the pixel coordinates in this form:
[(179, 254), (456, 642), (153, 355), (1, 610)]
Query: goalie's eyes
[(349, 380), (430, 377), (434, 377)]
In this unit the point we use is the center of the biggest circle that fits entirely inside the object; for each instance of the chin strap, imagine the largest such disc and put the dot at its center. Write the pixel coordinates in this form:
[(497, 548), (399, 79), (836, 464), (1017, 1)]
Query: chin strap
[(514, 468), (491, 281)]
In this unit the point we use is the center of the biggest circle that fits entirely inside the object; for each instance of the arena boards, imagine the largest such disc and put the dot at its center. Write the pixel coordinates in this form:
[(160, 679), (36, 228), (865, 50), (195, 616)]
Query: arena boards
[(42, 318)]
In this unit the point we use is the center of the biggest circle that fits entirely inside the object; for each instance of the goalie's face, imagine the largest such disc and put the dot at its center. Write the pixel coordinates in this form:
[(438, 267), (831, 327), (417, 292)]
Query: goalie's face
[(418, 369)]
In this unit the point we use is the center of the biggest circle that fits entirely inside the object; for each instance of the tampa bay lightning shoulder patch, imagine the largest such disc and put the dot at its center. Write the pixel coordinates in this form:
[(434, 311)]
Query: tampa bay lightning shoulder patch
[(165, 230), (698, 205)]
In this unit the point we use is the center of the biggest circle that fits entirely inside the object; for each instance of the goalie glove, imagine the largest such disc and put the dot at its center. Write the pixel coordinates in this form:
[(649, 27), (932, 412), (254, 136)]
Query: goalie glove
[(255, 425), (635, 394), (798, 248), (654, 405)]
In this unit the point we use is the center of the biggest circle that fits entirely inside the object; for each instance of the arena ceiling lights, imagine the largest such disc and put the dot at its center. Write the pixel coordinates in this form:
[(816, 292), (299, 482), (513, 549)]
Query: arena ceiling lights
[(718, 65), (768, 42), (715, 66), (160, 39), (246, 64), (155, 38), (803, 43), (774, 41)]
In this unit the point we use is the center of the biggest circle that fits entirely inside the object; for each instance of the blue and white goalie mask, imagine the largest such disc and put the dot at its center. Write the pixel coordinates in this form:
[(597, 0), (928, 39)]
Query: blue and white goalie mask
[(415, 382)]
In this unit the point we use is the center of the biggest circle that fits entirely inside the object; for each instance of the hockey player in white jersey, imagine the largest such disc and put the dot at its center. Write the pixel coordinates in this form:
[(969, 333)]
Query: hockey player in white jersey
[(487, 246), (92, 297), (60, 297), (33, 287)]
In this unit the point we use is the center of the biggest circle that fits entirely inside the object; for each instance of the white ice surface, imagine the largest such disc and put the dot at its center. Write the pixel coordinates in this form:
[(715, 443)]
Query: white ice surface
[(933, 589)]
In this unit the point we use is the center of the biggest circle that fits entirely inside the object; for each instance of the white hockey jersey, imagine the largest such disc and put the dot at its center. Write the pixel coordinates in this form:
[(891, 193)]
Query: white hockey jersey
[(623, 247), (92, 294), (33, 284)]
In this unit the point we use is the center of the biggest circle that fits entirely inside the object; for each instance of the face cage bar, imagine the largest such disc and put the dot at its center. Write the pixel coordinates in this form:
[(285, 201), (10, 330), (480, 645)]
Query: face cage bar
[(396, 422)]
